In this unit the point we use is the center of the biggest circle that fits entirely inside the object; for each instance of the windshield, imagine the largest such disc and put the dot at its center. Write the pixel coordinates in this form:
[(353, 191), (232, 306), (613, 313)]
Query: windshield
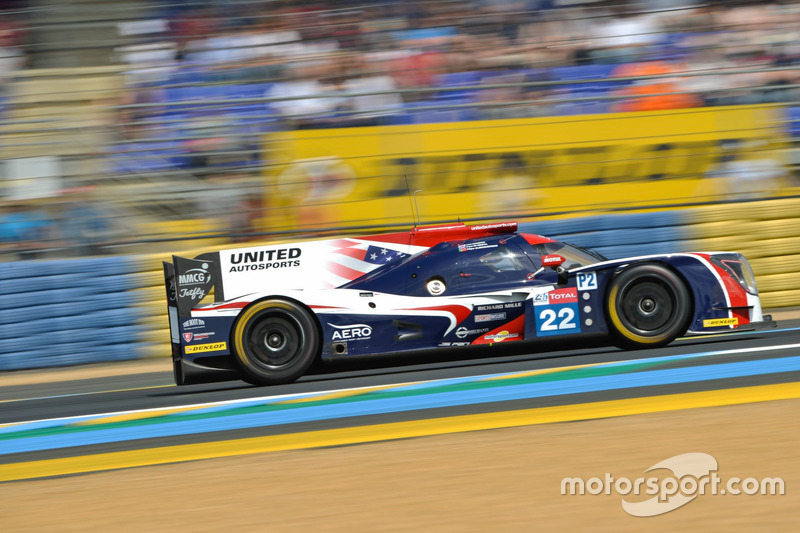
[(502, 259), (574, 256)]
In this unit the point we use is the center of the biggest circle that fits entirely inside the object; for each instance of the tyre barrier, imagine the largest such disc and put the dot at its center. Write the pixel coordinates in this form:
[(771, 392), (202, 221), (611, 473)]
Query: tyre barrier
[(69, 312), (79, 311)]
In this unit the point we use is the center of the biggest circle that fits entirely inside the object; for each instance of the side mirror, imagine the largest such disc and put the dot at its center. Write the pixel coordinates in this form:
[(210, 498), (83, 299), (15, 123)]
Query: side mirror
[(552, 261), (555, 261)]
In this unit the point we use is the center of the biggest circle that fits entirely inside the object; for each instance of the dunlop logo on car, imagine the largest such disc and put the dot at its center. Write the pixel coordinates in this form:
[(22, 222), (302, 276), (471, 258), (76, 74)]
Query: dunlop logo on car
[(212, 347), (714, 322)]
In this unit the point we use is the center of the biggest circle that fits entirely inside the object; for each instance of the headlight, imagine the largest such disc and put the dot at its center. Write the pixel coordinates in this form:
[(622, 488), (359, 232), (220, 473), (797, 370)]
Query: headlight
[(738, 267)]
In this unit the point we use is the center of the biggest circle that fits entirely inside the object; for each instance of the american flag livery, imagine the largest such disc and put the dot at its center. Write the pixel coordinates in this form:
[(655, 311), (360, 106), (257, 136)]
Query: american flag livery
[(352, 258)]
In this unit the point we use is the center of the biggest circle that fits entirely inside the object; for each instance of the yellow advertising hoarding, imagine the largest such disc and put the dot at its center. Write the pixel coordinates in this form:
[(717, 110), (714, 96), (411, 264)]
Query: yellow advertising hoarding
[(353, 176)]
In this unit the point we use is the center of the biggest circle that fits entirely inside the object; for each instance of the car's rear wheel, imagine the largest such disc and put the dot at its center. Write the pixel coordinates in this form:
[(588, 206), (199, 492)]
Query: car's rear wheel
[(275, 341), (647, 305)]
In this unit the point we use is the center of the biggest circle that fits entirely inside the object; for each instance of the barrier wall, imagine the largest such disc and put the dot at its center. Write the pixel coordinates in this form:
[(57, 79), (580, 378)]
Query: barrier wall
[(68, 312), (539, 165)]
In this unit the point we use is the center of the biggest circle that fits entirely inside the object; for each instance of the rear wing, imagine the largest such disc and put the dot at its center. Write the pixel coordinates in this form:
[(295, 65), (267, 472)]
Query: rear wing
[(189, 281)]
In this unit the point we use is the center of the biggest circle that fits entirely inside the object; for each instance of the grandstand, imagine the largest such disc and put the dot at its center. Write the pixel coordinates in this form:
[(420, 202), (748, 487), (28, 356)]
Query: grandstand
[(164, 106)]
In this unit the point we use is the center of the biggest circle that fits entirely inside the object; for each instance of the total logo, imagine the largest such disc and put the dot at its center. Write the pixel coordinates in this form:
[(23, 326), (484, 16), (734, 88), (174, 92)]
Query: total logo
[(195, 276), (354, 332), (563, 296)]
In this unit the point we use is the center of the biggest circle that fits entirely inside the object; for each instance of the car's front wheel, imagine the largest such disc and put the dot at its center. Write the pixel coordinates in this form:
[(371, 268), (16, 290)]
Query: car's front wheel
[(647, 305), (275, 341)]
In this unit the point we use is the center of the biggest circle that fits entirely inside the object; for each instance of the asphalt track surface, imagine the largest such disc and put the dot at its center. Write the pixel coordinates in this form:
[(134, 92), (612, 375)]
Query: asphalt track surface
[(455, 386)]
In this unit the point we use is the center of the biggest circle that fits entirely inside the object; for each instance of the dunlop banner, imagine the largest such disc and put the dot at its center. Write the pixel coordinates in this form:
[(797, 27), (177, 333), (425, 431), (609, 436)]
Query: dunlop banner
[(507, 167)]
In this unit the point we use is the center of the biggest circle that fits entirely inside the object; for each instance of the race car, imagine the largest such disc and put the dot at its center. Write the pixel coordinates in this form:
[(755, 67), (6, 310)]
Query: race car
[(278, 308)]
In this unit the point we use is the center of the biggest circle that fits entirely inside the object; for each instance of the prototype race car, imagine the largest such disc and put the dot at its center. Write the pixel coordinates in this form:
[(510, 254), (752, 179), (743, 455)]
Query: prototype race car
[(279, 308)]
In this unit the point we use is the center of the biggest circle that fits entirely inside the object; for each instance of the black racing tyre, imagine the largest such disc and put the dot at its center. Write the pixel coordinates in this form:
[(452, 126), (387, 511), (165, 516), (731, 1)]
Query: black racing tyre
[(275, 341), (648, 305)]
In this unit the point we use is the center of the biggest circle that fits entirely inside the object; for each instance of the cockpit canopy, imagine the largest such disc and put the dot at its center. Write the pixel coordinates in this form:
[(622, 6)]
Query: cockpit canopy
[(452, 268)]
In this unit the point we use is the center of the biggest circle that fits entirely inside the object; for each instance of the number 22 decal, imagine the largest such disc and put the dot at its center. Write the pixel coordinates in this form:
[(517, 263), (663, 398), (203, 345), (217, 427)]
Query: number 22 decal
[(565, 314)]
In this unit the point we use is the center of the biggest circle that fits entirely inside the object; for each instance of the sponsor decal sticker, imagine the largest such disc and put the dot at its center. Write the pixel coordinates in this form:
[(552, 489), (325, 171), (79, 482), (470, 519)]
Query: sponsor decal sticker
[(490, 317), (188, 337), (530, 276), (550, 260), (195, 293), (559, 315), (714, 322), (563, 296), (499, 307), (195, 276), (501, 336), (212, 347), (352, 332), (500, 225), (193, 279), (463, 332), (478, 245), (587, 281), (540, 299), (194, 323), (265, 259)]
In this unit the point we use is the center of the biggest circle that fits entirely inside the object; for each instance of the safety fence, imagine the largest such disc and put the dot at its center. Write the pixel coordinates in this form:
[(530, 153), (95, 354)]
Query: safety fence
[(68, 312)]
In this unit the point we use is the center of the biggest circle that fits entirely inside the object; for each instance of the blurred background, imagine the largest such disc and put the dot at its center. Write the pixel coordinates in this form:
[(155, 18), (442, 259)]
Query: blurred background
[(133, 129)]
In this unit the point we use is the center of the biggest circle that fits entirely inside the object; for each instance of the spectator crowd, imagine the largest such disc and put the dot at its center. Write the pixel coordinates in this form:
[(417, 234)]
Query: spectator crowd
[(206, 78)]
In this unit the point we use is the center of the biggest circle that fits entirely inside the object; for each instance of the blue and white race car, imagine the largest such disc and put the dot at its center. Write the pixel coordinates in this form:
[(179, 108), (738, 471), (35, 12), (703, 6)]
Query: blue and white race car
[(279, 308)]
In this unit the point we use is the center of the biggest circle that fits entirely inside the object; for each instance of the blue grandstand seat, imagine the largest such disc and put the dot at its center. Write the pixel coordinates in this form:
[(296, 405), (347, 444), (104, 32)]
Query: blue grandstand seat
[(16, 344), (399, 118), (43, 283), (587, 72), (566, 226), (640, 220), (616, 252), (547, 228), (112, 352), (40, 298), (96, 336), (437, 110), (793, 126), (458, 79), (249, 90), (638, 236), (24, 269), (113, 284)]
